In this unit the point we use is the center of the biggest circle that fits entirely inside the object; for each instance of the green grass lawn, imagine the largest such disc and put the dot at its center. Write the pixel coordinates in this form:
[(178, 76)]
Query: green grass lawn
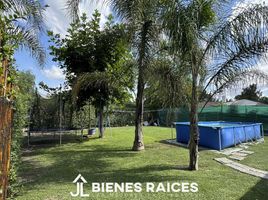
[(259, 159), (48, 172)]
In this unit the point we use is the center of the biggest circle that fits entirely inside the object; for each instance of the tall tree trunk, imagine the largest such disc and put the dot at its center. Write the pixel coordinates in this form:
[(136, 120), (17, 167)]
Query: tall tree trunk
[(101, 129), (194, 131), (138, 141)]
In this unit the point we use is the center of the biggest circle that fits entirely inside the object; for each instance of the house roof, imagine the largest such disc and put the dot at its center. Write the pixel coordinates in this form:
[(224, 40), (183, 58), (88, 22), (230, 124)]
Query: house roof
[(245, 102), (211, 103)]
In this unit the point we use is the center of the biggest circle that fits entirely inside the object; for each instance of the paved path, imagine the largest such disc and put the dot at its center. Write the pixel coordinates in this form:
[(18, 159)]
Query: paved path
[(243, 168)]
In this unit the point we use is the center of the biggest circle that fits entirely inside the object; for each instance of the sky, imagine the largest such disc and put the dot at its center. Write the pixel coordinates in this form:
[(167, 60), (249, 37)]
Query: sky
[(58, 20)]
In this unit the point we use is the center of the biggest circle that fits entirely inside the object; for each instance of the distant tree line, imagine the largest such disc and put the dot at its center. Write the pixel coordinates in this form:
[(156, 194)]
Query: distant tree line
[(252, 93)]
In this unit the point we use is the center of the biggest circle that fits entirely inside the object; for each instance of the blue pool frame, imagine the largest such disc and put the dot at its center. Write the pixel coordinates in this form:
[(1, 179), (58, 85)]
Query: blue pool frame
[(219, 134)]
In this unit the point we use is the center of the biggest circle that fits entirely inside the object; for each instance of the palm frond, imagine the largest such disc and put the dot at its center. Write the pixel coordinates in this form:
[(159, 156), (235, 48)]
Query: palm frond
[(238, 45), (251, 22), (34, 13), (26, 26), (10, 4), (73, 8), (93, 80), (169, 83), (184, 23), (173, 18), (28, 11), (27, 38), (236, 77), (135, 10), (239, 61)]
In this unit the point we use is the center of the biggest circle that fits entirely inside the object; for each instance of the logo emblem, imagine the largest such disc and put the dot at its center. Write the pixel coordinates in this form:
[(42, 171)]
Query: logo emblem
[(80, 181)]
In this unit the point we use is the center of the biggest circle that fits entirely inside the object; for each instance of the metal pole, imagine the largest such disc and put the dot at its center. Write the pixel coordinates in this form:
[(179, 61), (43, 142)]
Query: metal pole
[(255, 134), (29, 126), (60, 114), (234, 137), (109, 124), (246, 139), (89, 110), (262, 134), (29, 134), (171, 126), (219, 134)]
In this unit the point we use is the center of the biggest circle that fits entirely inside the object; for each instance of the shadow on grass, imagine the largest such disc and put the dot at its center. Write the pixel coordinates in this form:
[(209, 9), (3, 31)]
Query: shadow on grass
[(97, 163), (48, 141), (185, 146), (101, 163), (259, 191)]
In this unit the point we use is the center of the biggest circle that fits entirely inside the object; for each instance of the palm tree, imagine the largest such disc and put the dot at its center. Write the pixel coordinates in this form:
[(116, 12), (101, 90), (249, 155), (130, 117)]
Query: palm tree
[(20, 24), (140, 16), (223, 50)]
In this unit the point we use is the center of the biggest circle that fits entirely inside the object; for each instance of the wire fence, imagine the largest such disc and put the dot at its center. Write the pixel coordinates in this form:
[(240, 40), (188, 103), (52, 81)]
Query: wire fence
[(53, 137), (233, 113), (166, 117)]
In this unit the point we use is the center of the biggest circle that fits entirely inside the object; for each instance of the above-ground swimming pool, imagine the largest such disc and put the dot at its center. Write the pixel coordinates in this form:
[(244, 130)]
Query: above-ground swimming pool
[(219, 135)]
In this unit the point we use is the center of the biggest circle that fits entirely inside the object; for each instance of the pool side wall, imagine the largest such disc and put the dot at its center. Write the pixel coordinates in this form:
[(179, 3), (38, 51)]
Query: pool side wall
[(220, 138), (232, 136), (209, 136)]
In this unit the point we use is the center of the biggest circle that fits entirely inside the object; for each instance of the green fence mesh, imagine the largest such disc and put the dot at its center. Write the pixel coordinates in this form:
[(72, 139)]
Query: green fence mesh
[(231, 113)]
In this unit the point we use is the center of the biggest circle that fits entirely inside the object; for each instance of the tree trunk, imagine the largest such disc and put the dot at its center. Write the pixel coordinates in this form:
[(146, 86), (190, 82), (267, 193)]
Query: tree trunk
[(138, 142), (194, 131), (101, 130)]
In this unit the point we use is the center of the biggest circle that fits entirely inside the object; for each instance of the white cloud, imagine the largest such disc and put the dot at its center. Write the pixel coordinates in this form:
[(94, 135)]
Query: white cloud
[(88, 8), (58, 20), (56, 17), (54, 73), (263, 66)]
